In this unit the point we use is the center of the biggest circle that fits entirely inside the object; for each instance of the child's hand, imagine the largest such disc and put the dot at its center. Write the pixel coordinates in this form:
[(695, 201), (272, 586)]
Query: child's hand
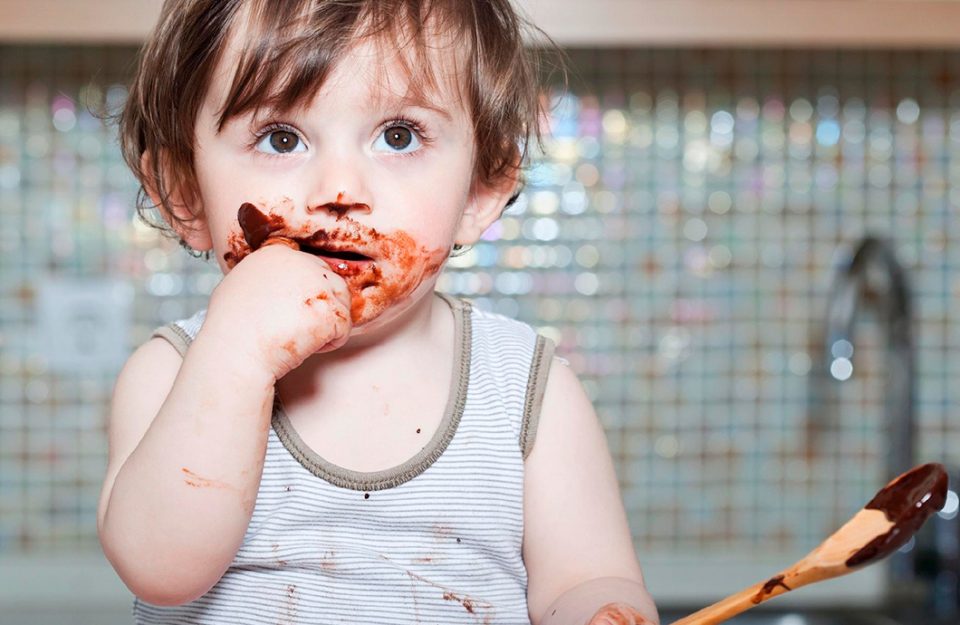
[(617, 614), (283, 306)]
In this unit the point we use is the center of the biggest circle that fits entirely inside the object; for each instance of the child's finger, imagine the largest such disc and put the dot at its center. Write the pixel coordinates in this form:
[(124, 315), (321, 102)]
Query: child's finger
[(617, 614), (293, 245)]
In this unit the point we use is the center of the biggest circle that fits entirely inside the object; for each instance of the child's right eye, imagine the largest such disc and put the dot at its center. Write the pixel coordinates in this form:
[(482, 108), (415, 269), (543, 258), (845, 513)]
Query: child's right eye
[(281, 141)]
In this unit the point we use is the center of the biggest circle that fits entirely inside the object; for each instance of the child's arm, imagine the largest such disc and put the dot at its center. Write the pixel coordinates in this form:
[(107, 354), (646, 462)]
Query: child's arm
[(578, 549), (187, 438)]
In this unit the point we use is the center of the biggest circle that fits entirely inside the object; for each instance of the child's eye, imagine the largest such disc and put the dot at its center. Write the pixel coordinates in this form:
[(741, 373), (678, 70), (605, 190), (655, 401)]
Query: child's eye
[(399, 138), (281, 141)]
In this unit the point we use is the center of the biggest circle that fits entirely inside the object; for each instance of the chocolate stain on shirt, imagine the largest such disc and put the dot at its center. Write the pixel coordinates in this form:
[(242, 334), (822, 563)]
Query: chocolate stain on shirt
[(276, 550), (291, 606), (466, 602), (469, 603)]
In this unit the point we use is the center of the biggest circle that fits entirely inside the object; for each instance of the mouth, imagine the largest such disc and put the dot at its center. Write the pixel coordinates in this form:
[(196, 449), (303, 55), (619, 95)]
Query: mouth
[(337, 249), (343, 261), (334, 255)]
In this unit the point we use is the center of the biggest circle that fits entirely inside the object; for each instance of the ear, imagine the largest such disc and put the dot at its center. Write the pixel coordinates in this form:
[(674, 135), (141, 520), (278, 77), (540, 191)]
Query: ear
[(487, 203), (182, 210)]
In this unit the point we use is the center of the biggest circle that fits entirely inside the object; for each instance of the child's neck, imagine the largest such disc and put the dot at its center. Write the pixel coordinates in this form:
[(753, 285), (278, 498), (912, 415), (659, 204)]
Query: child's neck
[(415, 328), (416, 335), (373, 406)]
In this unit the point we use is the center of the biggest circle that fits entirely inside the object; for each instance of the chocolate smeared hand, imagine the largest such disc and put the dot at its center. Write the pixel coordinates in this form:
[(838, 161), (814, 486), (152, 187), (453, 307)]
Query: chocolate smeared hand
[(380, 269), (884, 525)]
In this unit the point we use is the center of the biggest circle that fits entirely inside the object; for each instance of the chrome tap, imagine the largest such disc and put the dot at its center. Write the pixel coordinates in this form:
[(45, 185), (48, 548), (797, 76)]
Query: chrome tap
[(873, 277), (870, 277)]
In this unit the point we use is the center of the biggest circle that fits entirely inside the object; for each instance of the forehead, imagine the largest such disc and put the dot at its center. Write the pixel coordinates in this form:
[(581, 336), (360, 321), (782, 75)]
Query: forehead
[(284, 65)]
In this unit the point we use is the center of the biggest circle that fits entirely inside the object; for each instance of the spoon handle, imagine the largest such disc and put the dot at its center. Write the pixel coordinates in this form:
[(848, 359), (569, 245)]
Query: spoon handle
[(736, 603)]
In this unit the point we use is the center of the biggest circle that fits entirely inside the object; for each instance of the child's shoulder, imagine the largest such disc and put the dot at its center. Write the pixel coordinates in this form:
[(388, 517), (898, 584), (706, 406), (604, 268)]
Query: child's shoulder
[(508, 343), (180, 333), (493, 322)]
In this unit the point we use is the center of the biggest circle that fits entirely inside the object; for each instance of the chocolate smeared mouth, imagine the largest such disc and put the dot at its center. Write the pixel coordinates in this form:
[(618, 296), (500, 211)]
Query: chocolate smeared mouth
[(381, 269), (327, 252), (259, 229)]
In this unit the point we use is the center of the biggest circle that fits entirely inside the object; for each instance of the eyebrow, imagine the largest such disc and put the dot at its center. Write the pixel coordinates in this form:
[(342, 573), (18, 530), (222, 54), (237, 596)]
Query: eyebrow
[(411, 101), (258, 114)]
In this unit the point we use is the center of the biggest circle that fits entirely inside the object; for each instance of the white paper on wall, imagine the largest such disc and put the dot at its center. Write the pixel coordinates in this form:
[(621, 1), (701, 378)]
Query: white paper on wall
[(84, 324)]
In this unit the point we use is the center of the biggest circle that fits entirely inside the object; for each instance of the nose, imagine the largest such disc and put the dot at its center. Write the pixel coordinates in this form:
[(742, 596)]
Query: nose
[(340, 207), (338, 186)]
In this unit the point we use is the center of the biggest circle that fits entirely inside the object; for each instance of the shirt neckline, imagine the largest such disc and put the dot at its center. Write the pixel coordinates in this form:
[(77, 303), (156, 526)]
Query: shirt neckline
[(419, 462)]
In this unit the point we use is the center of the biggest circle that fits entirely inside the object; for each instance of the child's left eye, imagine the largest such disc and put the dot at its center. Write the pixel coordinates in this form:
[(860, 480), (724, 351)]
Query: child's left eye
[(398, 138)]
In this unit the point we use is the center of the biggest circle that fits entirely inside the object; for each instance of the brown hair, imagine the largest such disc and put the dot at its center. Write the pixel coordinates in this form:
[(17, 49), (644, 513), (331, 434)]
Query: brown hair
[(288, 47)]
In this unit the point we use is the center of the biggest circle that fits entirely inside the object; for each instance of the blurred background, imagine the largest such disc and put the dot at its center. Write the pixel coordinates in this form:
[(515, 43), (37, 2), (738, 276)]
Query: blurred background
[(742, 231)]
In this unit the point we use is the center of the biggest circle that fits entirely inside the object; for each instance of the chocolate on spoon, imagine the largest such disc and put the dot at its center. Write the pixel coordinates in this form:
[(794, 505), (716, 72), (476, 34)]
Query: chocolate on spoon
[(884, 525), (907, 502)]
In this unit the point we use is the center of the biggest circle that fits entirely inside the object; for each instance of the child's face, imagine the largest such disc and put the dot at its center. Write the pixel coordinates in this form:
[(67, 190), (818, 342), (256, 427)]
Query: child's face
[(381, 186)]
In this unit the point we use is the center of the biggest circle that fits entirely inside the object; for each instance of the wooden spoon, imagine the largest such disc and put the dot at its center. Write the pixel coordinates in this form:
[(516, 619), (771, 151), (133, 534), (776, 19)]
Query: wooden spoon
[(880, 528)]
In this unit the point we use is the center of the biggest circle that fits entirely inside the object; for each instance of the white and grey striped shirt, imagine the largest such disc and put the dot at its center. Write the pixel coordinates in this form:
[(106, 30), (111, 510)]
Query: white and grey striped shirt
[(435, 540)]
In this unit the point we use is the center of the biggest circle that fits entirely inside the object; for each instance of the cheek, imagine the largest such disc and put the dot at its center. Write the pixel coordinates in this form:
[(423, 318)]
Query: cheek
[(436, 233), (406, 262), (433, 214), (228, 242)]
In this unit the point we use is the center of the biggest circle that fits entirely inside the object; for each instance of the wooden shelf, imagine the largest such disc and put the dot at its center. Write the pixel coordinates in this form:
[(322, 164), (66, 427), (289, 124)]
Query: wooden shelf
[(77, 21), (751, 23), (602, 23)]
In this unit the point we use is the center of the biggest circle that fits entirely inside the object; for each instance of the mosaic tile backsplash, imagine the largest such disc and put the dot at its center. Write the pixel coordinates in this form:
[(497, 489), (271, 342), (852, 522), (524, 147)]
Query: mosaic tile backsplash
[(678, 236)]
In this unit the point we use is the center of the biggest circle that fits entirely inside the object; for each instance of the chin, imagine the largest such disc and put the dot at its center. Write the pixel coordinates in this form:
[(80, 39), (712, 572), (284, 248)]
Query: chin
[(377, 311)]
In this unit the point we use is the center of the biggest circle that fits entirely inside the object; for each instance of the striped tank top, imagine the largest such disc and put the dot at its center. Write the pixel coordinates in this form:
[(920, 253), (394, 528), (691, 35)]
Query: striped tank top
[(434, 540)]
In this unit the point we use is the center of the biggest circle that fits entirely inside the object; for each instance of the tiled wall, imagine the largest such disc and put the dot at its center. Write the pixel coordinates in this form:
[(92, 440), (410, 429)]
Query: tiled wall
[(678, 238)]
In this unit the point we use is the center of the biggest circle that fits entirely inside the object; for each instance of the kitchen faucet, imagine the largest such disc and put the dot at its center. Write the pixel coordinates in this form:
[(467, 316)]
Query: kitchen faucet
[(872, 277)]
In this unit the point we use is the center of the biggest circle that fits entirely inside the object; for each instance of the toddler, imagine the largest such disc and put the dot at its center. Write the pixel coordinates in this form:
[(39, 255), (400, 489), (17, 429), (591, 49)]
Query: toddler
[(330, 440)]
